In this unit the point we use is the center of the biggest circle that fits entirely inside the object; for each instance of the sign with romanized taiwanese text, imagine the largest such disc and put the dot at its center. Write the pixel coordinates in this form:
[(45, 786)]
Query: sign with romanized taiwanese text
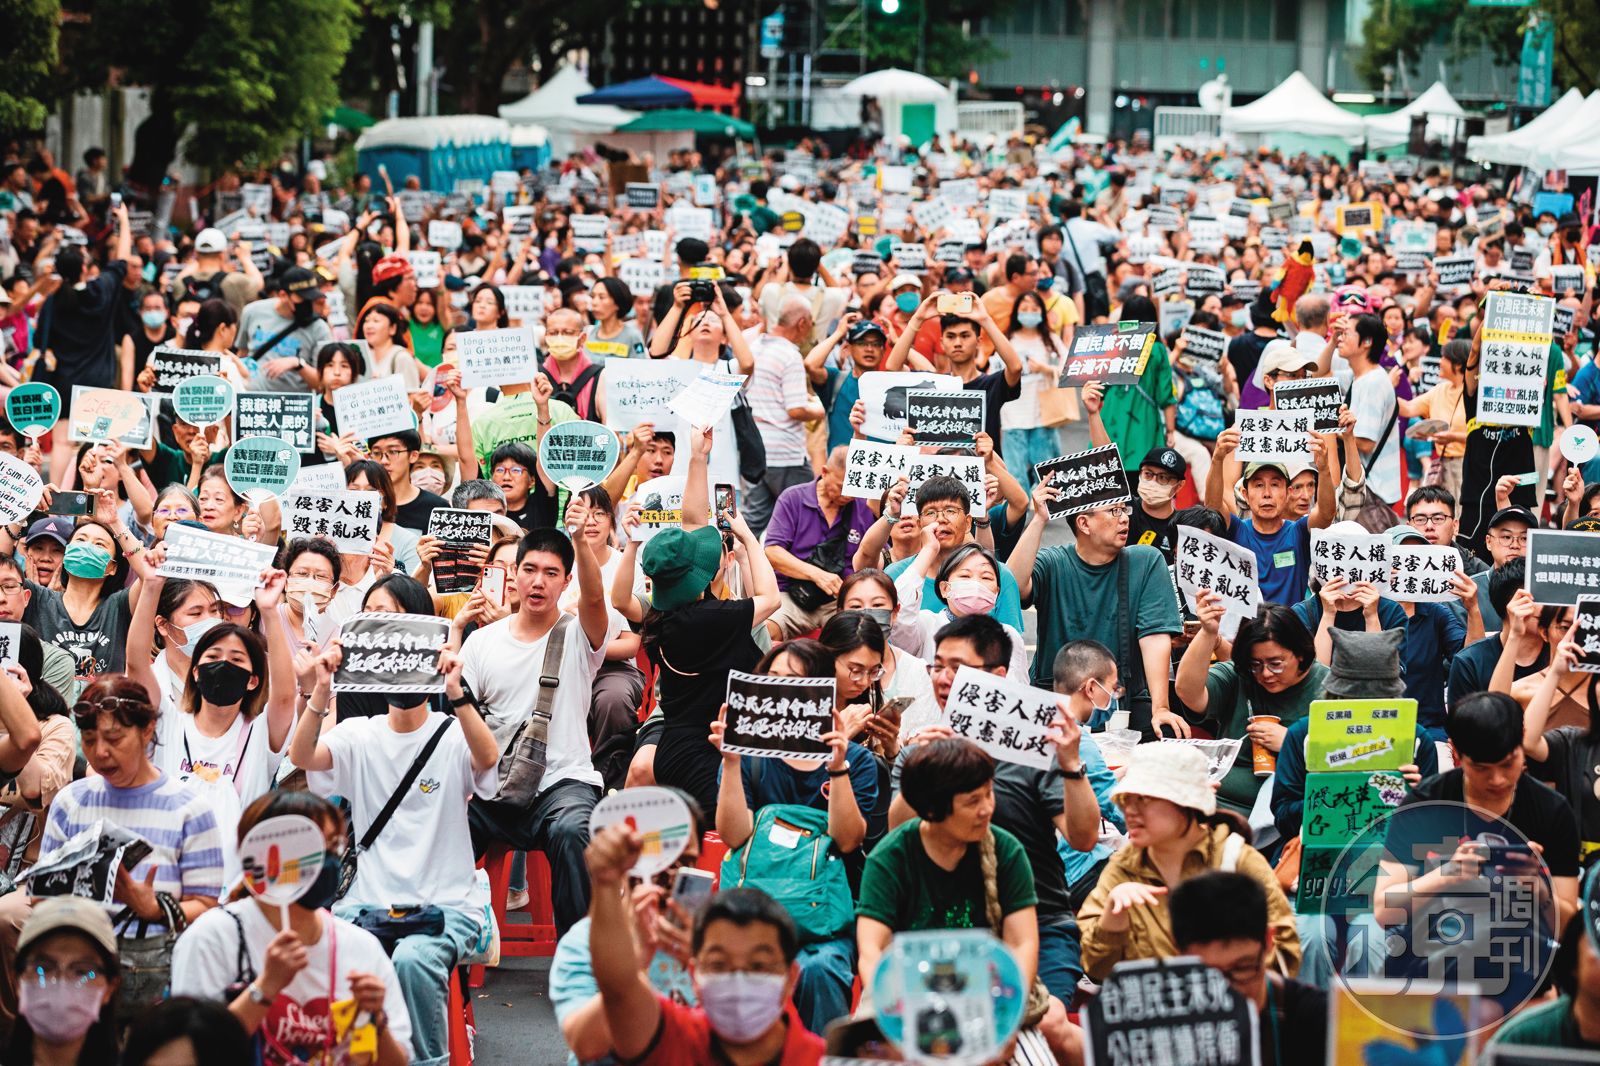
[(21, 488), (778, 717), (1112, 353), (1321, 396), (1514, 355), (397, 653), (1011, 720), (495, 357), (1363, 735), (350, 519), (285, 415), (1562, 565), (1273, 436), (1423, 573), (954, 418), (1203, 561), (1359, 558), (1086, 480), (111, 415), (367, 409), (201, 555)]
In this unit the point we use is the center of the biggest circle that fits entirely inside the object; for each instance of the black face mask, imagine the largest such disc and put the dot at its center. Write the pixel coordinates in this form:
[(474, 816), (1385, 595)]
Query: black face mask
[(325, 889), (304, 312), (222, 684), (403, 701)]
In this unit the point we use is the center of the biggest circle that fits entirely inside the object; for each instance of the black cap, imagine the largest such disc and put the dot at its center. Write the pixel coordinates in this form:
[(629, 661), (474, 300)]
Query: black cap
[(864, 329), (1166, 460), (1570, 220), (960, 273), (297, 281), (1514, 514)]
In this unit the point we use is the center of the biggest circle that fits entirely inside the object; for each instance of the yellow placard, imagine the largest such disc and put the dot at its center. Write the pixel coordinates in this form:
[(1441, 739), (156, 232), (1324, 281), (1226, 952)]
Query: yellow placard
[(1364, 217)]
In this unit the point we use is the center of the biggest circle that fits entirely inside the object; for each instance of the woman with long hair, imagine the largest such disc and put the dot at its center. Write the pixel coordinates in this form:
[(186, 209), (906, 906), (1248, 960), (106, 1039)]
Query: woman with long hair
[(488, 308), (215, 329), (89, 613), (367, 475), (1025, 438), (386, 355), (426, 328), (872, 592)]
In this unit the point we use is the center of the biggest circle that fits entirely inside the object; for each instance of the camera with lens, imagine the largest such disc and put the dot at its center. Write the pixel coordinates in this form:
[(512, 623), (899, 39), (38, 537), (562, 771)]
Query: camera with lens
[(703, 292)]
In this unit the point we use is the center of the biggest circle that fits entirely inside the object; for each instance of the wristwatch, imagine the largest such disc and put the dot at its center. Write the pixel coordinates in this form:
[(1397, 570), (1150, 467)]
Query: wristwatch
[(841, 771), (1076, 775), (258, 997)]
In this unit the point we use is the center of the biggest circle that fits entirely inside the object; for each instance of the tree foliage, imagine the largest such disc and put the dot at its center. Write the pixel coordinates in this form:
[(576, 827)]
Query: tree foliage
[(242, 78), (948, 51), (1396, 32), (28, 45)]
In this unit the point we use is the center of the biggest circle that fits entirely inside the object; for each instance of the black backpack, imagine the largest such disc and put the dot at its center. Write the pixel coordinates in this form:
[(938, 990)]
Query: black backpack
[(204, 289), (568, 394)]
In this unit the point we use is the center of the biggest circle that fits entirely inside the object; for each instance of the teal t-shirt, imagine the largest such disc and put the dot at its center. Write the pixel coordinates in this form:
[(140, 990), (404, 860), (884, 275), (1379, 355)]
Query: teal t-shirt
[(1078, 601), (1547, 1025), (1007, 605), (907, 891), (1229, 706)]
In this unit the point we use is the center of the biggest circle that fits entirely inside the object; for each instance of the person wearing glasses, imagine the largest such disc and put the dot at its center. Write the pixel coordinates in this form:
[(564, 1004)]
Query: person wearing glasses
[(513, 470), (1102, 588), (1266, 686), (1507, 539), (397, 454), (67, 974)]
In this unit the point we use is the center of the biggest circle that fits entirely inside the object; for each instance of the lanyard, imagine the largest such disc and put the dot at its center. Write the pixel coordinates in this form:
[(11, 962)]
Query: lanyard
[(238, 755)]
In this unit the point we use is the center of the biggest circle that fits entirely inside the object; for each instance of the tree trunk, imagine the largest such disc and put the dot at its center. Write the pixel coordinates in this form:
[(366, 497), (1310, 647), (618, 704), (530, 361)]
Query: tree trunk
[(155, 144)]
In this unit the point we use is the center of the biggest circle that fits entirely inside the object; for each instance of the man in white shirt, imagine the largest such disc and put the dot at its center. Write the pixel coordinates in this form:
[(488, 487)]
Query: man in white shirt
[(806, 280), (1372, 402), (504, 667), (782, 405)]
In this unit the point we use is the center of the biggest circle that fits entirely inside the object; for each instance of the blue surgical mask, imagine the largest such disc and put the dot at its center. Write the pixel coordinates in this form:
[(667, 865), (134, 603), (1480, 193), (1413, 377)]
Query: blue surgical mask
[(1047, 282), (908, 301), (153, 319), (86, 560), (1029, 319), (1546, 228), (193, 633), (1241, 318), (1101, 715)]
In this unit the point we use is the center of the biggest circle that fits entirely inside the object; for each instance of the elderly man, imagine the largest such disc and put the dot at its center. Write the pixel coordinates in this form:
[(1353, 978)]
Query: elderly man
[(782, 405), (811, 540)]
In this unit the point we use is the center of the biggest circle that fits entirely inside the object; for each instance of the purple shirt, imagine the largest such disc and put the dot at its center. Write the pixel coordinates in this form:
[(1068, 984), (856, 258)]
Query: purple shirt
[(798, 525)]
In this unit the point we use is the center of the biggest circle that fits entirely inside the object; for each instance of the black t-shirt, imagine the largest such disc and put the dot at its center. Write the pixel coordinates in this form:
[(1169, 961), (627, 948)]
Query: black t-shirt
[(1537, 812), (539, 512), (1473, 667), (143, 345), (1294, 1026), (1573, 769), (1492, 452), (998, 392), (1244, 352), (1158, 533), (80, 332), (414, 515)]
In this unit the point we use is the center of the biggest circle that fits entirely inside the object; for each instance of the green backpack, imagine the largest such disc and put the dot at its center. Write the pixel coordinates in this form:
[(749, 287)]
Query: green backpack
[(791, 858)]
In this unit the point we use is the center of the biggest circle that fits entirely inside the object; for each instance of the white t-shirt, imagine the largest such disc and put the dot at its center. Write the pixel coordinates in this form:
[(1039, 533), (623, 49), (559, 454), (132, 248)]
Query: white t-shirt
[(1372, 402), (205, 962), (424, 854), (608, 570), (503, 672), (1023, 412), (230, 770)]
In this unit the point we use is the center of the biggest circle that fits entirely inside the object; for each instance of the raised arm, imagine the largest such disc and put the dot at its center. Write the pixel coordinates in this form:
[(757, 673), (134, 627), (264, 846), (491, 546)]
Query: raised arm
[(1027, 547), (696, 489), (1217, 493), (734, 824), (282, 693), (22, 731), (633, 1013)]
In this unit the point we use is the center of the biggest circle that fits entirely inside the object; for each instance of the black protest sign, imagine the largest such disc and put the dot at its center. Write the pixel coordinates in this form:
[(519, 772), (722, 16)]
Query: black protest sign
[(1087, 480), (173, 365), (1180, 1005), (1204, 345), (1166, 282), (458, 533), (1562, 325), (1412, 261), (391, 653), (866, 263), (1320, 396), (1567, 280), (1248, 291), (1162, 217), (946, 417), (1562, 565), (778, 717), (1456, 269), (1274, 238), (86, 865), (642, 196), (1430, 372), (1204, 280), (1522, 261), (285, 415), (1111, 353), (1280, 210), (1585, 633)]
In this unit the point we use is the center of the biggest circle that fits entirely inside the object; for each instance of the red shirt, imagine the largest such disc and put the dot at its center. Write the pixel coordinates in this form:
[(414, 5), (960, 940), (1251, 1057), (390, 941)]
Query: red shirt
[(684, 1039)]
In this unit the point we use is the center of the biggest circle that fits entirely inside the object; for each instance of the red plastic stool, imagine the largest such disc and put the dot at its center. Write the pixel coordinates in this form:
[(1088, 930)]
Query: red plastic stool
[(520, 940), (460, 1016), (712, 852)]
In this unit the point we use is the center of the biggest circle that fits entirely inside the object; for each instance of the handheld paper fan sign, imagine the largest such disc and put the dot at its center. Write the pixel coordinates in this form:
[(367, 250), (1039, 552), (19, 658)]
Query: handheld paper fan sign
[(578, 455), (282, 858), (203, 400), (33, 408), (953, 997), (658, 815), (261, 467), (1579, 444)]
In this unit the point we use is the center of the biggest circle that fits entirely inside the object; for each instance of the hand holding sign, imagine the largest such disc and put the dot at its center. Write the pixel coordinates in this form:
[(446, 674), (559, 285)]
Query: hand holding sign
[(658, 815)]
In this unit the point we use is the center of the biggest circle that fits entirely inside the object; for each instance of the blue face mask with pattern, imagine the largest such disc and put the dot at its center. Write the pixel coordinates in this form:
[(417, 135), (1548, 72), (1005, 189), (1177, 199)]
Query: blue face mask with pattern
[(1101, 715)]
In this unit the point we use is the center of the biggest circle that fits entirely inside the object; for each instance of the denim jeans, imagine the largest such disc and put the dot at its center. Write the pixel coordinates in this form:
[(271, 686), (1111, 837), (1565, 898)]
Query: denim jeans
[(1060, 959), (424, 966), (1364, 948), (1023, 448), (827, 976)]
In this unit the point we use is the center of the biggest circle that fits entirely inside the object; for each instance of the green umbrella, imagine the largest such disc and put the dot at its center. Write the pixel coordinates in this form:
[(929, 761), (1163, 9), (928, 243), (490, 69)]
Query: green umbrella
[(348, 117), (708, 122)]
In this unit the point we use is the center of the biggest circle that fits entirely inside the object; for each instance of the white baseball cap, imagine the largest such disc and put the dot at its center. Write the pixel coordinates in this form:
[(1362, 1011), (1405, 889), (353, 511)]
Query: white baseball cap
[(210, 241), (903, 281)]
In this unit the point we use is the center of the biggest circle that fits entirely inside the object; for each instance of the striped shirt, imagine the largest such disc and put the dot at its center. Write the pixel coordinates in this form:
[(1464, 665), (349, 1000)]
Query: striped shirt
[(777, 385), (180, 828)]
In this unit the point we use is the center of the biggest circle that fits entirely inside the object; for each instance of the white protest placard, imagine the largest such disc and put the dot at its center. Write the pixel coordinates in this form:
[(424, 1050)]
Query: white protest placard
[(494, 357), (10, 643), (1359, 558), (589, 232), (368, 408), (871, 468), (1203, 561), (338, 315), (1008, 203), (320, 478), (826, 224), (660, 505), (1423, 573), (1011, 720), (895, 179), (931, 215), (1267, 436), (658, 815), (961, 192), (687, 221), (443, 235), (201, 555), (349, 518), (885, 395), (641, 390), (21, 488), (518, 218), (641, 276), (524, 303), (967, 469), (1514, 356), (708, 398), (428, 266)]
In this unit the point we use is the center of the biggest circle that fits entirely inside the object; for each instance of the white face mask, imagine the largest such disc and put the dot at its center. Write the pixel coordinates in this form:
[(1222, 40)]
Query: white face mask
[(1155, 494), (192, 634), (742, 1006)]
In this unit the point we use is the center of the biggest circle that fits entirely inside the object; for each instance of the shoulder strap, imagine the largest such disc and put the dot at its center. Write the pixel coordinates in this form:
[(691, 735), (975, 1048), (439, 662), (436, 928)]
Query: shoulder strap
[(245, 968), (1388, 428), (1232, 848), (272, 341), (405, 786), (1067, 229), (550, 676), (1127, 645)]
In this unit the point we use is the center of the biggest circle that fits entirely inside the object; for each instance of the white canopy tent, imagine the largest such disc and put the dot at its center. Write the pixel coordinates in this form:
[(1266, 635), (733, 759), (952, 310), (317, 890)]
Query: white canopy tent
[(1444, 117), (1515, 147), (894, 88), (554, 106), (1574, 141), (1295, 107)]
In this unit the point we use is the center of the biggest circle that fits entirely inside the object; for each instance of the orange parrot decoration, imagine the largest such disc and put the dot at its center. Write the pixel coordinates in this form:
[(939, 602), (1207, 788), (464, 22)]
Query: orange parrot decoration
[(1293, 282)]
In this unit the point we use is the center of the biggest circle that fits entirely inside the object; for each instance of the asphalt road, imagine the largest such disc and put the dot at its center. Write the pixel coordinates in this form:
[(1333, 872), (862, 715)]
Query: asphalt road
[(516, 1024)]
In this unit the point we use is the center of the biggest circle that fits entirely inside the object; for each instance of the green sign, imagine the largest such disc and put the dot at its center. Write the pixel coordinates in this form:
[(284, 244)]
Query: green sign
[(1363, 735), (1538, 63), (577, 455), (262, 466), (1499, 3), (32, 408), (1340, 805), (203, 400)]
